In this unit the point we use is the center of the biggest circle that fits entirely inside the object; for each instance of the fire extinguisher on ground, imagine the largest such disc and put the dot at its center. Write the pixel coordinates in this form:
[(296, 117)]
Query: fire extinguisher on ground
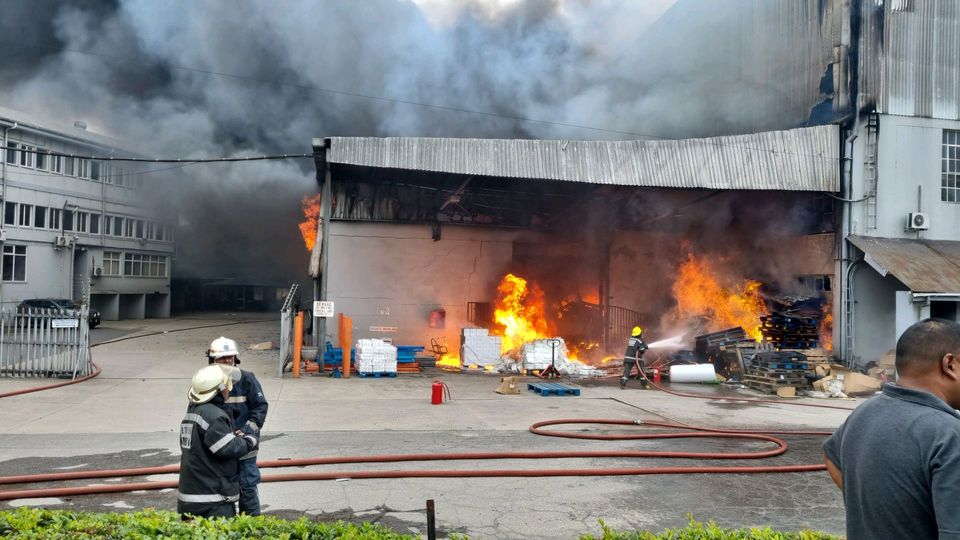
[(439, 389)]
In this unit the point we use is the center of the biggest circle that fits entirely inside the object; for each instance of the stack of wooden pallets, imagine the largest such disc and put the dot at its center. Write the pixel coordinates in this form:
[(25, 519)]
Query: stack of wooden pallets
[(776, 371)]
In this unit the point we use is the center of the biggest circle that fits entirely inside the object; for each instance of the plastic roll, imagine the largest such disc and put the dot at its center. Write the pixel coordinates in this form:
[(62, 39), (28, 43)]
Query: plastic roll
[(692, 373)]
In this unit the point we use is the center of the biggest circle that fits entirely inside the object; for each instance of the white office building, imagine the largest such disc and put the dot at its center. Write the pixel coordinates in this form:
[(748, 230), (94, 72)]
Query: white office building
[(79, 228)]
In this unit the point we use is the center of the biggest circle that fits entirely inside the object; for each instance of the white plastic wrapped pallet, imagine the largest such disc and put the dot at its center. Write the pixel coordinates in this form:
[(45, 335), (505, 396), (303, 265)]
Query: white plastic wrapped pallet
[(376, 356)]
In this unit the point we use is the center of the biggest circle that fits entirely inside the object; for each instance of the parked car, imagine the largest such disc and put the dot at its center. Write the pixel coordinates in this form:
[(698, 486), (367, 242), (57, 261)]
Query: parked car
[(62, 304)]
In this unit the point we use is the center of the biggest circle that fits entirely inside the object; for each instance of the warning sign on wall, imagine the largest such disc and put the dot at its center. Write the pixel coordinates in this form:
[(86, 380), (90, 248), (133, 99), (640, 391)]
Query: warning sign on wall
[(322, 308)]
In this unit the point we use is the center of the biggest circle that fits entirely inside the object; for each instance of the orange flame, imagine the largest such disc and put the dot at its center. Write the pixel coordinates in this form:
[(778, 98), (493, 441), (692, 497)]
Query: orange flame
[(519, 311), (699, 293), (826, 328), (448, 362), (308, 228)]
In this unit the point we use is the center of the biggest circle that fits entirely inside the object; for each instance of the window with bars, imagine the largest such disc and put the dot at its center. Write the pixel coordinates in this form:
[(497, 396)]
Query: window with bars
[(950, 166)]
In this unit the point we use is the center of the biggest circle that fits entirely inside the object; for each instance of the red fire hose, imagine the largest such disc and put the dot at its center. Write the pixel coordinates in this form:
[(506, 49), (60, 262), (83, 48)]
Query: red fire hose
[(687, 432)]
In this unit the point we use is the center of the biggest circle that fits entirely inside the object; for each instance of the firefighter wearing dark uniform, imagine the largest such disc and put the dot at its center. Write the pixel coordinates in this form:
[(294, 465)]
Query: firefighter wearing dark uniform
[(247, 406), (634, 357), (209, 483)]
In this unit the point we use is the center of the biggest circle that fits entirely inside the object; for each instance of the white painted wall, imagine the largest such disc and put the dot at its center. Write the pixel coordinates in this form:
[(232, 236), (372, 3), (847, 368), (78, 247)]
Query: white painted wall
[(393, 275)]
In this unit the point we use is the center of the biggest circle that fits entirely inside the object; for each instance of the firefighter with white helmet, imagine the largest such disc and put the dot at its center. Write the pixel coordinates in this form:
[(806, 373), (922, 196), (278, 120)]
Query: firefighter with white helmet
[(210, 448), (247, 407), (634, 357)]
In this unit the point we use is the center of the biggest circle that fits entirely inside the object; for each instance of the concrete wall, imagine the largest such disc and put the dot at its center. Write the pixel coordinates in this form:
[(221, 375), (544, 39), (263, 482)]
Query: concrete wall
[(876, 316), (132, 306), (393, 275)]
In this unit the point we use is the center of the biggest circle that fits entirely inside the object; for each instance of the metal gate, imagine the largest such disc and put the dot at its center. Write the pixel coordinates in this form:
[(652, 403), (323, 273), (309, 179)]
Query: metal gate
[(37, 342), (619, 323), (287, 313)]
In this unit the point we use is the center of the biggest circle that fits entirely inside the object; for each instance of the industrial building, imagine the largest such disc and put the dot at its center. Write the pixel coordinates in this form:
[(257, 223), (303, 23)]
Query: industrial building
[(79, 228), (851, 111)]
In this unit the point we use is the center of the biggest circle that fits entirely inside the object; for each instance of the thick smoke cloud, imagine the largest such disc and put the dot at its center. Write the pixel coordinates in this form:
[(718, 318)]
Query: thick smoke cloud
[(198, 79)]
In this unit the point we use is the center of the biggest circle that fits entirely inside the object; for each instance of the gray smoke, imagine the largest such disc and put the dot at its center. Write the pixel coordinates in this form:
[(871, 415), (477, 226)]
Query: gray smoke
[(197, 79)]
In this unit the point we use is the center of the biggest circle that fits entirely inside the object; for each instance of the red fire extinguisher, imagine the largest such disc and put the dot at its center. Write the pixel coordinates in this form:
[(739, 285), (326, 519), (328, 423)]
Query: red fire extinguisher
[(438, 389), (656, 375)]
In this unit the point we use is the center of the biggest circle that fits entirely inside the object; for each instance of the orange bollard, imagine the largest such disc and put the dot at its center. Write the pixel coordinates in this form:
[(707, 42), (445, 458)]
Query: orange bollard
[(297, 343), (345, 331)]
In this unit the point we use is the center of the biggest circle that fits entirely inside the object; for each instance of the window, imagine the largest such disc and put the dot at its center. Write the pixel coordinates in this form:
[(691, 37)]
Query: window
[(94, 223), (117, 226), (151, 231), (69, 165), (68, 220), (26, 215), (111, 263), (10, 213), (118, 177), (56, 164), (13, 156), (950, 167), (139, 232), (54, 222), (14, 263), (26, 156), (140, 265), (83, 168), (95, 167), (40, 217), (82, 221), (42, 161), (128, 228)]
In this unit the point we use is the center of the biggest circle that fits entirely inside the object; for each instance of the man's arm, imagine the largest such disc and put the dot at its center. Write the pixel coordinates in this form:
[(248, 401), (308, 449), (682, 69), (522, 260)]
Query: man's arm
[(834, 472), (257, 404), (224, 443)]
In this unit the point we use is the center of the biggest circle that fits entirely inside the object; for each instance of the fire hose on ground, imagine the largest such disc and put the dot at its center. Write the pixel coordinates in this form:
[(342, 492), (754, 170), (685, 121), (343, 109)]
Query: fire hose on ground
[(687, 432), (537, 428)]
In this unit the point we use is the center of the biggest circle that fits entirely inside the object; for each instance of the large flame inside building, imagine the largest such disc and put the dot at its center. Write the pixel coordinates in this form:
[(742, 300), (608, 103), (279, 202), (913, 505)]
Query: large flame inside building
[(700, 293), (519, 312), (308, 227)]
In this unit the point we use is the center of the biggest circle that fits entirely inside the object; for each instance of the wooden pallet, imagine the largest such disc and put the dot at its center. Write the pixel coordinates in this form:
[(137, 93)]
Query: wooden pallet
[(377, 374)]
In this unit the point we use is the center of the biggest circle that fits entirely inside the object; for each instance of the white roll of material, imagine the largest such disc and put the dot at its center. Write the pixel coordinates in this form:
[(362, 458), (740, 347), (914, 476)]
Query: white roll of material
[(692, 373)]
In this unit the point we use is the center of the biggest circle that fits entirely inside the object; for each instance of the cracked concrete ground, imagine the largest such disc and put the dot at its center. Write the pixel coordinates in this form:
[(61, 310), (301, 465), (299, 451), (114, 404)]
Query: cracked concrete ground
[(128, 417)]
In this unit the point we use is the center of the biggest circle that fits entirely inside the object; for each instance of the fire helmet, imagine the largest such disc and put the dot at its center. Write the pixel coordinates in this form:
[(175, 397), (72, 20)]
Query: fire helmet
[(208, 381), (636, 331), (223, 347)]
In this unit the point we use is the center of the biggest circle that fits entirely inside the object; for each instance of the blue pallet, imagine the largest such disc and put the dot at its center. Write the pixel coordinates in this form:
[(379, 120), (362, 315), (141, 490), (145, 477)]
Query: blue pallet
[(378, 374), (553, 389)]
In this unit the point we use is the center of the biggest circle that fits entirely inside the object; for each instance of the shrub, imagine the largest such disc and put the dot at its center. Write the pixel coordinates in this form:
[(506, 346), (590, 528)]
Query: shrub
[(708, 531), (41, 524)]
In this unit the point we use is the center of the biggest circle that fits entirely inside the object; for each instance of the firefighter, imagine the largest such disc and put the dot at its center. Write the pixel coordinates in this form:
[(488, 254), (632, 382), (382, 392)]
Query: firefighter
[(248, 408), (210, 448), (634, 357)]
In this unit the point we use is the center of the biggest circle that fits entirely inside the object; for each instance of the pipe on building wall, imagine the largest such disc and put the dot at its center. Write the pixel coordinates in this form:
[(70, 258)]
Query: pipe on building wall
[(847, 228), (3, 193)]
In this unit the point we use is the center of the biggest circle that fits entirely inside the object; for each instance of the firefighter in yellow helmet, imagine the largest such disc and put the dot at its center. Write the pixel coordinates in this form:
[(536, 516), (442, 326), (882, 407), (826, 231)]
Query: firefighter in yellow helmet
[(634, 357)]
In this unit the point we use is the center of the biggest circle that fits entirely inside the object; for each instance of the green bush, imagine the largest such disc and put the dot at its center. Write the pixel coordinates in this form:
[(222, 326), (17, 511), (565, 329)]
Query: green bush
[(40, 524), (708, 531)]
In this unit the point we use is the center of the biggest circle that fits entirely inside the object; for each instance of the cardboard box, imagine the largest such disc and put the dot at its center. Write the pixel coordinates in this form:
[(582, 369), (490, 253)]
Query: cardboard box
[(509, 385), (787, 391), (858, 384), (822, 370)]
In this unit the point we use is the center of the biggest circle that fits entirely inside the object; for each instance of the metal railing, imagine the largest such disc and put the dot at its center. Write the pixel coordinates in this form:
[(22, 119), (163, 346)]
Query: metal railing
[(619, 323), (38, 342)]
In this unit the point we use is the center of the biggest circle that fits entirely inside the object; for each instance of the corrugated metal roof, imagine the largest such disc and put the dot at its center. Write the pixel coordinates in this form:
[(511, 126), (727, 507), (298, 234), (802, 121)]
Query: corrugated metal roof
[(925, 266), (803, 159), (910, 57)]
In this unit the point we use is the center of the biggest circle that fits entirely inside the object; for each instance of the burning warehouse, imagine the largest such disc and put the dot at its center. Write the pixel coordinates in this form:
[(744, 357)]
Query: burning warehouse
[(580, 240)]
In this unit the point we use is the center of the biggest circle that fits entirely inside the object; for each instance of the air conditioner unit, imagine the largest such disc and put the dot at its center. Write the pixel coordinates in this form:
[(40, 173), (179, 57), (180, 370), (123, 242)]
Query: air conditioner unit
[(97, 271), (918, 221), (61, 241)]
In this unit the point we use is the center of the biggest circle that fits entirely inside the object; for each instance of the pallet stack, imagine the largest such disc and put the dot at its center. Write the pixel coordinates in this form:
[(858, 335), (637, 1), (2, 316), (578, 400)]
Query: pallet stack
[(789, 331), (778, 372)]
